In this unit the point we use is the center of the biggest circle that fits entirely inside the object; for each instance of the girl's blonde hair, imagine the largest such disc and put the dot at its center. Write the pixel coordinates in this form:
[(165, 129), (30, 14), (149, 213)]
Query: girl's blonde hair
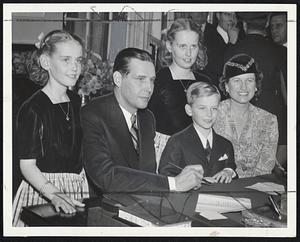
[(180, 25), (47, 46)]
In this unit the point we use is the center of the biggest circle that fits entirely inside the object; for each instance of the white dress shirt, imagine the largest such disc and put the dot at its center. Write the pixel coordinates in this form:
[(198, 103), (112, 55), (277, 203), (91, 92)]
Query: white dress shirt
[(223, 33), (204, 139), (203, 27), (127, 115), (210, 140)]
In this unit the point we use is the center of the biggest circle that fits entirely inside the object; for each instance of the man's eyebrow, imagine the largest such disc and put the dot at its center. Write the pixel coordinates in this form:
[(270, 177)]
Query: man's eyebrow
[(61, 56), (140, 75)]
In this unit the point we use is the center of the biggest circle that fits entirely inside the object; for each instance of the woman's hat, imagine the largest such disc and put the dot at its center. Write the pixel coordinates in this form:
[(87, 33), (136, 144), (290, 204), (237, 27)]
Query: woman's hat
[(238, 65)]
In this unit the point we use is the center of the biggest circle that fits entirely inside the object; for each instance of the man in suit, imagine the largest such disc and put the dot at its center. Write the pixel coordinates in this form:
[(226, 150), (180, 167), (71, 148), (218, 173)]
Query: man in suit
[(272, 61), (118, 134), (198, 143), (213, 44), (278, 27), (216, 40)]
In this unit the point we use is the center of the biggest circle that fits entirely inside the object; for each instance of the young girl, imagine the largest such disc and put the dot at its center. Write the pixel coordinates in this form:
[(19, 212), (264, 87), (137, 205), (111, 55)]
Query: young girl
[(183, 50), (48, 129)]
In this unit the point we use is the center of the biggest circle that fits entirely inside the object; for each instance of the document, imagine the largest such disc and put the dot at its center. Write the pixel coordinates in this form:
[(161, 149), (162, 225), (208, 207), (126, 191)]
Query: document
[(268, 187), (221, 204), (211, 215)]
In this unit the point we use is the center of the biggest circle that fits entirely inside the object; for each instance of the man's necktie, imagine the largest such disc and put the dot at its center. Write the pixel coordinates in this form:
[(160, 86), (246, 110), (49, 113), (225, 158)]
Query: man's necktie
[(134, 132), (207, 151)]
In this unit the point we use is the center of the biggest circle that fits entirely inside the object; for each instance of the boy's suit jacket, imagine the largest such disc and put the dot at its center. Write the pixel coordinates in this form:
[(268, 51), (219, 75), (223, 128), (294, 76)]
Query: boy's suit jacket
[(111, 162), (185, 148)]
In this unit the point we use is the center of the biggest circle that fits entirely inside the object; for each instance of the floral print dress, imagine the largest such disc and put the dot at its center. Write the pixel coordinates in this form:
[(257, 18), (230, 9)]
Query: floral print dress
[(255, 148)]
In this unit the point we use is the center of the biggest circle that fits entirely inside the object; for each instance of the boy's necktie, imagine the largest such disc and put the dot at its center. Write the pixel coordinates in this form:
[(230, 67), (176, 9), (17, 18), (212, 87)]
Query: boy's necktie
[(207, 151), (134, 132)]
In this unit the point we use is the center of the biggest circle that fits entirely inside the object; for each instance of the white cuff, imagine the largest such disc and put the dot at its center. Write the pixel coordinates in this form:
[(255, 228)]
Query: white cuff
[(232, 171), (172, 184)]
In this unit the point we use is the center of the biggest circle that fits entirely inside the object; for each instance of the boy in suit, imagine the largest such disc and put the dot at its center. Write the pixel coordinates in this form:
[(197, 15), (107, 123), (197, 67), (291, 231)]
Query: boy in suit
[(198, 143)]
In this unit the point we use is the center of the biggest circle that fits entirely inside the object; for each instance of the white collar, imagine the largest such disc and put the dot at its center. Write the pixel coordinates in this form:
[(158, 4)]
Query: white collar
[(127, 116), (202, 138), (223, 33), (203, 27)]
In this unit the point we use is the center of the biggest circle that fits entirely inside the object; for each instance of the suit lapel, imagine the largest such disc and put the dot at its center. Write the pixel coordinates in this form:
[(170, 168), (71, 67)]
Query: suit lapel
[(215, 152), (120, 132), (196, 145), (146, 142)]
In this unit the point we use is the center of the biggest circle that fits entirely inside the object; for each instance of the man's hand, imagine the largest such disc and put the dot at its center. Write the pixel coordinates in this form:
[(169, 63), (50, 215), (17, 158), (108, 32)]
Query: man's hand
[(224, 176), (233, 34), (233, 31), (190, 177)]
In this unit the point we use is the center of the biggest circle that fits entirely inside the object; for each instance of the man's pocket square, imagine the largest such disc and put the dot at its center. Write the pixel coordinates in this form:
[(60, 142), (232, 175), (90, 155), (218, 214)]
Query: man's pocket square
[(224, 157)]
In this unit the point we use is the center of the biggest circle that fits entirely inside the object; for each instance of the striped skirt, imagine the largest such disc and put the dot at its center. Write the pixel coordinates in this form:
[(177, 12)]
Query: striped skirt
[(72, 184)]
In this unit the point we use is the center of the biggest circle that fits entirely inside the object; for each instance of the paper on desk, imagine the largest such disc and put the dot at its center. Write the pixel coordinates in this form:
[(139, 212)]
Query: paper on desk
[(209, 179), (268, 187), (221, 204), (211, 215)]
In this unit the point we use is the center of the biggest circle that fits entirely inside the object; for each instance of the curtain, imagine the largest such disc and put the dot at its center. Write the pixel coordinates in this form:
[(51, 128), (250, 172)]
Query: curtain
[(139, 32)]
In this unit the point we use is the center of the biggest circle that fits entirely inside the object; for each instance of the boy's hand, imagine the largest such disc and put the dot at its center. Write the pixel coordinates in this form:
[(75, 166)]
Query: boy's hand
[(224, 176)]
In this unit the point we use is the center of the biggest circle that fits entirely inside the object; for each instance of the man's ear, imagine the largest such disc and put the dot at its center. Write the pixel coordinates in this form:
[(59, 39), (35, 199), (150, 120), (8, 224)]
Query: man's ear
[(188, 110), (44, 61), (117, 77), (168, 45)]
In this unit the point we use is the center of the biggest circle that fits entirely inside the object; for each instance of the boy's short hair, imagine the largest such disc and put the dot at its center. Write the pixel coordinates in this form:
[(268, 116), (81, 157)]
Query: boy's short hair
[(201, 89)]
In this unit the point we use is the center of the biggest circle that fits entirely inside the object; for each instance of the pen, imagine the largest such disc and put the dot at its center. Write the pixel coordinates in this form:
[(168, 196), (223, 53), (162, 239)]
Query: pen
[(180, 168), (275, 206)]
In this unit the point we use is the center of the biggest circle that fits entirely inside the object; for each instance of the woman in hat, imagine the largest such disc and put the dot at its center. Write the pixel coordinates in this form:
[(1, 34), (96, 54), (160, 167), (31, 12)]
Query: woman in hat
[(252, 131)]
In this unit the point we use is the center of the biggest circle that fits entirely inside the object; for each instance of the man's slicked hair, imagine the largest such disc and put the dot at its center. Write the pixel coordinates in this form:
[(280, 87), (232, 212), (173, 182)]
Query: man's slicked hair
[(124, 56)]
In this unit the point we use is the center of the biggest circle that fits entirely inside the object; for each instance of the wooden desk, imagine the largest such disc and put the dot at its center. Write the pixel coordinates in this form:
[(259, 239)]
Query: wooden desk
[(100, 212)]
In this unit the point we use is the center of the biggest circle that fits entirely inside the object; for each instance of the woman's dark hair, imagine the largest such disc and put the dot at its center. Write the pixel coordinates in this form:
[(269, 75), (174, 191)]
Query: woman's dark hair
[(180, 25), (237, 65), (123, 58), (47, 45)]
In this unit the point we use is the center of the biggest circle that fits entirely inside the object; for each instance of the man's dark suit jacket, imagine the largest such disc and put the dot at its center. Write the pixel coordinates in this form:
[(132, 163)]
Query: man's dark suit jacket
[(271, 59), (110, 159), (215, 48), (185, 148)]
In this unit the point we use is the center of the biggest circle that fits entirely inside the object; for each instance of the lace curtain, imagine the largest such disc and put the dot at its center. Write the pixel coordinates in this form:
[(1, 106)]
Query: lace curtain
[(139, 32)]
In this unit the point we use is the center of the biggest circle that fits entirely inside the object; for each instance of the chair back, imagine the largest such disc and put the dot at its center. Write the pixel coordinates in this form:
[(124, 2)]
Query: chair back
[(160, 142)]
